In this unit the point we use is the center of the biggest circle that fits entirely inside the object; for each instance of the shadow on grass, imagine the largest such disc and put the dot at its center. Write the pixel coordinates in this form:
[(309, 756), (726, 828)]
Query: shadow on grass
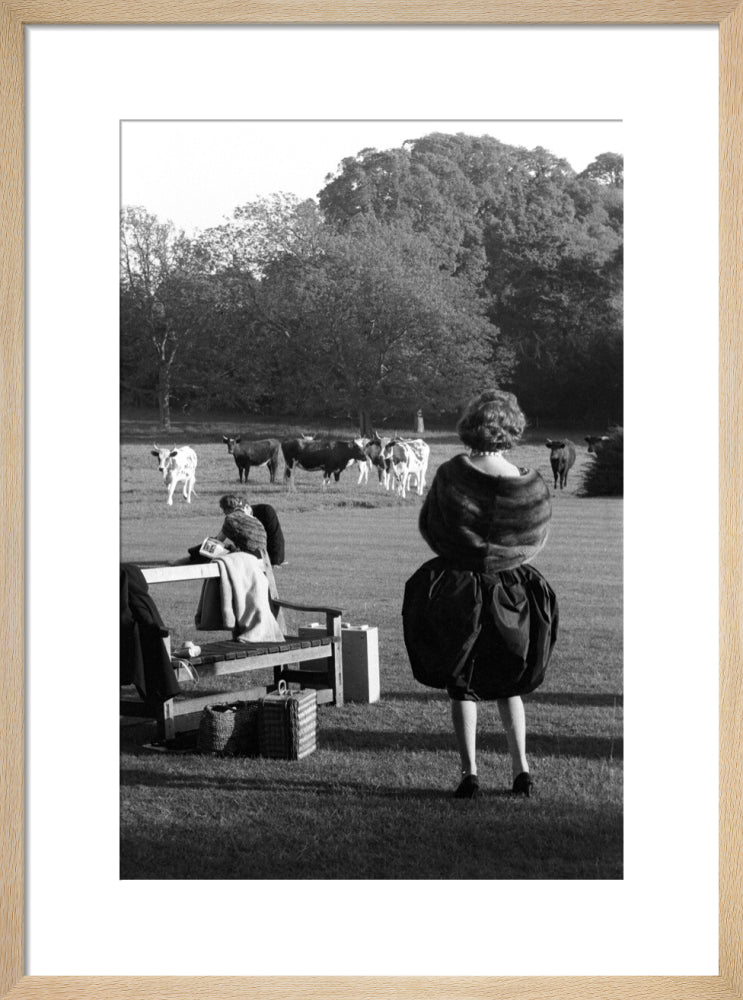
[(542, 745), (575, 698), (569, 698), (135, 777), (345, 739), (524, 839), (424, 696)]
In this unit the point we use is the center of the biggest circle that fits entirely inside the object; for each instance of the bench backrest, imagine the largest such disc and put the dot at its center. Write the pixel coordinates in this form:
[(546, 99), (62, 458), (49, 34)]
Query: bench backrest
[(170, 574)]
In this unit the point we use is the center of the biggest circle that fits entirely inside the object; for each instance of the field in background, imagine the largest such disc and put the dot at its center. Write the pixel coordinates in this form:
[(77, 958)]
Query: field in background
[(382, 770)]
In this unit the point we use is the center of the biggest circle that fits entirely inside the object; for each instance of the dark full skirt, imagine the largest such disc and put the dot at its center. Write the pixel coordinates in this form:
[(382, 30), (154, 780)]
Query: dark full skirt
[(480, 636)]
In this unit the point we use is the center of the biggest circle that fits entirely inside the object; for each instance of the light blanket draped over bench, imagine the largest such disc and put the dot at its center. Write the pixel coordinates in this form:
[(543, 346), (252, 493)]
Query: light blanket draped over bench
[(239, 599)]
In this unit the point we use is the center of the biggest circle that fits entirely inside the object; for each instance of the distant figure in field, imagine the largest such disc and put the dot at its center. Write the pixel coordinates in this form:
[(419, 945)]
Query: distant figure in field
[(477, 619)]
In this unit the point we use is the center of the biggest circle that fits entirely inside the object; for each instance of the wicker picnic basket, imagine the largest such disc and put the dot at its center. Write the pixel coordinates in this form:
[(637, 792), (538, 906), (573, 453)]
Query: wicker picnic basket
[(287, 723), (231, 730)]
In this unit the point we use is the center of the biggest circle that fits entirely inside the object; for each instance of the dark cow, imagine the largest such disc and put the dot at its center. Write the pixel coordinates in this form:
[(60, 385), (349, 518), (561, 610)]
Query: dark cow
[(595, 442), (330, 456), (562, 459), (265, 452)]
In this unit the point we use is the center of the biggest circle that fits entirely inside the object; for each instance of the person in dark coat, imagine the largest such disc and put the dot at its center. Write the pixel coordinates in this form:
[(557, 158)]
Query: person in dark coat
[(478, 620), (143, 656)]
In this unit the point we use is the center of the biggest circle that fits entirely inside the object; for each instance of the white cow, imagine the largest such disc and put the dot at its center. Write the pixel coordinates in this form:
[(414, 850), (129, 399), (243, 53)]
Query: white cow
[(405, 460), (178, 465), (419, 467)]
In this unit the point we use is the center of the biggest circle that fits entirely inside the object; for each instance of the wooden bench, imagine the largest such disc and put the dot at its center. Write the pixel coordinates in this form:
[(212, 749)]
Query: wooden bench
[(287, 659)]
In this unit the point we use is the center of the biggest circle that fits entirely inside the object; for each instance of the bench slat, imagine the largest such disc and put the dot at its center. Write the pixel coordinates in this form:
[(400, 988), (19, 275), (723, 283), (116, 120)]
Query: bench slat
[(244, 664), (171, 574), (231, 650)]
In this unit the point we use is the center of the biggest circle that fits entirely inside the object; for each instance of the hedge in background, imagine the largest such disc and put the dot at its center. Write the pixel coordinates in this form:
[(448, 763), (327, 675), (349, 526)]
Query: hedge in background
[(604, 477)]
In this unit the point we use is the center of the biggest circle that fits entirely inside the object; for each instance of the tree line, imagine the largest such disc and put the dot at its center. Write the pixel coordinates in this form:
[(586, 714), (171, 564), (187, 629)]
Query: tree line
[(419, 275)]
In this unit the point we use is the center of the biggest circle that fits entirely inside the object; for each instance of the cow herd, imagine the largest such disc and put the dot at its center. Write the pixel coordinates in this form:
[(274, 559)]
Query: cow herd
[(401, 463)]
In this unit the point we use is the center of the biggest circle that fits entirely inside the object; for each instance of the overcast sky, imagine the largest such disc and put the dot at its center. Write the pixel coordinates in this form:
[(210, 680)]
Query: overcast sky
[(197, 172)]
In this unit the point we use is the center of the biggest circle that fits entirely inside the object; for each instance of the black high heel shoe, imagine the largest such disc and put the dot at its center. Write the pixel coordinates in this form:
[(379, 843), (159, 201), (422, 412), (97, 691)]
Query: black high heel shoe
[(468, 788), (522, 784)]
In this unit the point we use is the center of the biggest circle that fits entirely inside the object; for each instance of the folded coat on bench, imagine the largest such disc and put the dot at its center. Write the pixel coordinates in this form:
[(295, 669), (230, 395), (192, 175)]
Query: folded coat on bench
[(239, 599)]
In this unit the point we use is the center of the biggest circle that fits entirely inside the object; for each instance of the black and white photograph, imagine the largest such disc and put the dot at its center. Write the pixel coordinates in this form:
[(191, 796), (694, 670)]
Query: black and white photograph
[(371, 499)]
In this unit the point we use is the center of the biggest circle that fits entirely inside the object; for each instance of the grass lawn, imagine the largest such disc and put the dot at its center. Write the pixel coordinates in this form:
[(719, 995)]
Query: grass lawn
[(374, 801)]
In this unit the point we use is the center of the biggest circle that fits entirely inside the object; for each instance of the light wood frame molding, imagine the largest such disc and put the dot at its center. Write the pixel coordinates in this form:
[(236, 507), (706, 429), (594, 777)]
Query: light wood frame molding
[(14, 17)]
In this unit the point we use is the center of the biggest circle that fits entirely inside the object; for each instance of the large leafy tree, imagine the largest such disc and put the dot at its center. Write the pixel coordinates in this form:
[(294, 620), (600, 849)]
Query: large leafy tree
[(372, 323), (423, 273), (273, 235), (555, 281), (541, 245), (607, 168), (164, 300), (180, 317), (279, 227), (363, 316)]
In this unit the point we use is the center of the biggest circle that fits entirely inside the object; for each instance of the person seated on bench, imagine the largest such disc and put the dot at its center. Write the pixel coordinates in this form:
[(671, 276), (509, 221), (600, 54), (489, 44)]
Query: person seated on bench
[(246, 529), (251, 529)]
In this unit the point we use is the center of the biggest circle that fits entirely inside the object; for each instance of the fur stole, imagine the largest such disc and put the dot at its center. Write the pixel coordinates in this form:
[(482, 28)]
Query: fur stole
[(485, 523)]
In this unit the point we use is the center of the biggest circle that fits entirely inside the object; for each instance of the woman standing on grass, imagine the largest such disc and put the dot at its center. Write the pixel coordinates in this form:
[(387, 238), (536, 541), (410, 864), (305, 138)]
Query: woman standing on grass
[(477, 619)]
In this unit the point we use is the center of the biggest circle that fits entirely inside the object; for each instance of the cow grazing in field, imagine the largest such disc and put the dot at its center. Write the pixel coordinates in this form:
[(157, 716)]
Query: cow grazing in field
[(178, 465), (562, 459), (332, 457), (595, 442), (254, 453), (405, 461)]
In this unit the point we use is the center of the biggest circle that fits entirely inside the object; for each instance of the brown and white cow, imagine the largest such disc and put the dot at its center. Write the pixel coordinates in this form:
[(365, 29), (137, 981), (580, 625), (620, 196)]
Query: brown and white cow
[(404, 461), (330, 456)]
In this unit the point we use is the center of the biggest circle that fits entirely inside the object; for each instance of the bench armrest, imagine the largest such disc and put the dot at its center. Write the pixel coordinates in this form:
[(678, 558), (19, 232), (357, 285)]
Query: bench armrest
[(307, 607)]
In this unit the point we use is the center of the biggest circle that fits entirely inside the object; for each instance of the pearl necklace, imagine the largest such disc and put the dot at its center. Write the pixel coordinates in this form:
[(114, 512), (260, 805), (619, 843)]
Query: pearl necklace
[(478, 454)]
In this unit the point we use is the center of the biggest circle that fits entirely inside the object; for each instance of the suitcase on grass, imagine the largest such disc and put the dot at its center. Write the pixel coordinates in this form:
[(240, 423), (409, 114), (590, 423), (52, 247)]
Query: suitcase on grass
[(287, 723)]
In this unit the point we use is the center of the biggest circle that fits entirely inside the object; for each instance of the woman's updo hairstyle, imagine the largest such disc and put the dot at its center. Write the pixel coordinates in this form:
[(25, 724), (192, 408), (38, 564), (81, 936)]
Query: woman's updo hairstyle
[(231, 502), (492, 421)]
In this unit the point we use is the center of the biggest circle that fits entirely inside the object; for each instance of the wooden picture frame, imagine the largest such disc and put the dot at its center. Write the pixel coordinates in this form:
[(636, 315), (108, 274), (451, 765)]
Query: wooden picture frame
[(14, 17)]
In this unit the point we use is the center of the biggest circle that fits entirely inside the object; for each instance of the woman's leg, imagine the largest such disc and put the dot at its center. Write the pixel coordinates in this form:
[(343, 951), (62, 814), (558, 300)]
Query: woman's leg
[(464, 717), (514, 722)]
